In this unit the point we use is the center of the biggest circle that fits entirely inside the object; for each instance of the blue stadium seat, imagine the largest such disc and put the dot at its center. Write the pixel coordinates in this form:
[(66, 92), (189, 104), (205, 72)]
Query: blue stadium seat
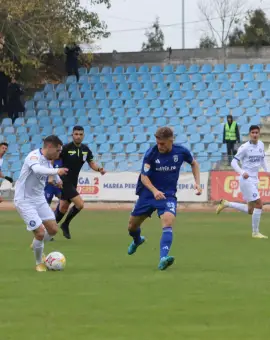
[(226, 86), (200, 121), (209, 78), (101, 139), (244, 68), (247, 77), (174, 121), (66, 104), (71, 80), (71, 121), (176, 95), (233, 103), (206, 68), (212, 147), (57, 121), (53, 104), (11, 138), (68, 112), (198, 148), (95, 121), (99, 129), (82, 71), (79, 104), (242, 120), (168, 69), (110, 166), (252, 86), (157, 78), (155, 69), (242, 95), (191, 129), (195, 78), (48, 88), (171, 78), (143, 69), (239, 86), (202, 95), (216, 94), (142, 149), (91, 104), (119, 70), (161, 121), (113, 95), (130, 103), (114, 138), (145, 113), (38, 96), (50, 96), (106, 157), (63, 95), (205, 130), (25, 149), (220, 103), (100, 95), (237, 112), (207, 103), (189, 95), (76, 95), (180, 69), (134, 121), (235, 77), (184, 111), (95, 80), (193, 69), (108, 121), (213, 121), (218, 130), (156, 103), (194, 138), (140, 138), (16, 166), (43, 113), (84, 79), (18, 122), (131, 148), (224, 111), (121, 121), (218, 68), (158, 112), (30, 113), (164, 95), (106, 113), (260, 77), (46, 131), (118, 148), (138, 129), (180, 139), (88, 95), (106, 70), (228, 95), (74, 87), (33, 130), (151, 95), (267, 95), (44, 121), (161, 87), (255, 120), (194, 103), (184, 78), (261, 102), (187, 121), (264, 111), (257, 68), (187, 87), (30, 122), (244, 130), (200, 86), (247, 103), (213, 87), (21, 130), (137, 95), (256, 95), (94, 70), (133, 79), (59, 130), (221, 77), (210, 111), (231, 68), (41, 104), (148, 86), (80, 113), (174, 87), (266, 84), (142, 103)]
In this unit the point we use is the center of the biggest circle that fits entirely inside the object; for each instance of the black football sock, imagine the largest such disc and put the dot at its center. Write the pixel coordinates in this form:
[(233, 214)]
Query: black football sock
[(71, 214), (58, 214)]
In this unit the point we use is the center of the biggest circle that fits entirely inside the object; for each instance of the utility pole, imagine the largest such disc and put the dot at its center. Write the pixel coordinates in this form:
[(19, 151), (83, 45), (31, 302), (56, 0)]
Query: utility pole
[(183, 24)]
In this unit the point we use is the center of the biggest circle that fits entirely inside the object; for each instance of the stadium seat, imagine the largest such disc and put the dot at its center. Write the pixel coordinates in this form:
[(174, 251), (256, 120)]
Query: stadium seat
[(218, 68), (231, 68), (206, 68), (118, 148)]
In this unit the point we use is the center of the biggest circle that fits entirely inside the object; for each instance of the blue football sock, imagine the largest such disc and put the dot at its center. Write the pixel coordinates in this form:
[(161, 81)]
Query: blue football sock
[(166, 241), (136, 235)]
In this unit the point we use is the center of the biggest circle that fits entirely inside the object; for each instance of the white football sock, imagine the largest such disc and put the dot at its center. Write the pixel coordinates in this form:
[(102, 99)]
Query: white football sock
[(47, 236), (256, 217), (38, 247), (238, 206)]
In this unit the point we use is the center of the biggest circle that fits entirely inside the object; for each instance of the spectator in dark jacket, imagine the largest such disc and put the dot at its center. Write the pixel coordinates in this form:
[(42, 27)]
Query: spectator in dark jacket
[(230, 137), (3, 91), (72, 53), (15, 105)]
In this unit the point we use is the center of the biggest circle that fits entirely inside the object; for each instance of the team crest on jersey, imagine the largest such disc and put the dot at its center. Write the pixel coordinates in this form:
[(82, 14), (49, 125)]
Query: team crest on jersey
[(146, 167), (32, 223), (175, 158)]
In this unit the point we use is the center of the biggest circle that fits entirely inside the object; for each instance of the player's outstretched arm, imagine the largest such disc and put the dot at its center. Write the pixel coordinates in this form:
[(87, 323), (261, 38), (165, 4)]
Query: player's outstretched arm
[(94, 166), (196, 174), (42, 170), (148, 184), (6, 177)]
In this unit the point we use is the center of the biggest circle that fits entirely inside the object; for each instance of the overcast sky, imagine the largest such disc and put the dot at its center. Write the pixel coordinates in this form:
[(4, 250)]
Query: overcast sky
[(126, 15)]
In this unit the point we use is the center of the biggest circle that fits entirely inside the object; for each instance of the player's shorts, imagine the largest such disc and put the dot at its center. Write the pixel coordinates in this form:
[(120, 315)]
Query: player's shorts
[(50, 191), (249, 189), (33, 213), (145, 206), (69, 191)]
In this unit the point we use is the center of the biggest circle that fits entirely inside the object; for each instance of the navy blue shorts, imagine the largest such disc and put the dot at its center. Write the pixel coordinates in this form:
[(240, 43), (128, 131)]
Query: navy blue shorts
[(146, 206), (51, 191)]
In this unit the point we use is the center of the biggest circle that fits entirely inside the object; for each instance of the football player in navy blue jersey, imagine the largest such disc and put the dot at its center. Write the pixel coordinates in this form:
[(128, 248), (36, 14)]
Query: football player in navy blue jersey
[(156, 188)]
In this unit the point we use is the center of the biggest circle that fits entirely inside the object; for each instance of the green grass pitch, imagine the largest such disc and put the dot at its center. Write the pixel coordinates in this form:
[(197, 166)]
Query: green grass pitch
[(218, 288)]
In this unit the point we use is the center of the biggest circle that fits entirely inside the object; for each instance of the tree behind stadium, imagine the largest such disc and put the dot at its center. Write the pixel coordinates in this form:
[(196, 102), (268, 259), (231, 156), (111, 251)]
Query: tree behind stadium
[(34, 28)]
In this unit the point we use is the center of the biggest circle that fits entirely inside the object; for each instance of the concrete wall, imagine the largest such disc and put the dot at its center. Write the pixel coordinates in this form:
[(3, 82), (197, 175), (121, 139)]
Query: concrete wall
[(237, 55)]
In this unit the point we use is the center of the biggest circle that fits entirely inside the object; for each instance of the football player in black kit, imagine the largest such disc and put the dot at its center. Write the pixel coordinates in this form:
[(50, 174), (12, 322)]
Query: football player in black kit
[(73, 156)]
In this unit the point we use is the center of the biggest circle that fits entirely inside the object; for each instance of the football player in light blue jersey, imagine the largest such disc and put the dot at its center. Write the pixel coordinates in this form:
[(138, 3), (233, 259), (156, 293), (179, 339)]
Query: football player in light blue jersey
[(156, 188)]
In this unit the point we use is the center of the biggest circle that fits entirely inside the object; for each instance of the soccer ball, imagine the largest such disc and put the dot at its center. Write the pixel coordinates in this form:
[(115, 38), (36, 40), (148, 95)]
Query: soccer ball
[(55, 261)]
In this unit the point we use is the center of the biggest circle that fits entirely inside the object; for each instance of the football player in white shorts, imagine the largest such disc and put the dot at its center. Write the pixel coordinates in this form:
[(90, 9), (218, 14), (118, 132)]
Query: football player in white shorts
[(3, 150), (29, 196), (251, 156)]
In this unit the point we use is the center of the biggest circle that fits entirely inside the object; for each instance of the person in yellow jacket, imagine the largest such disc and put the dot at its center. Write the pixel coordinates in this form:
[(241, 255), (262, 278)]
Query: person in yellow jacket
[(230, 137)]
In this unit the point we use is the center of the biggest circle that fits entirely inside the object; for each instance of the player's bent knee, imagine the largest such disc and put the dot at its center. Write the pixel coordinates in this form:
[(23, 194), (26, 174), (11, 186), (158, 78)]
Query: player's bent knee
[(64, 205), (167, 219), (51, 227), (80, 205), (39, 233)]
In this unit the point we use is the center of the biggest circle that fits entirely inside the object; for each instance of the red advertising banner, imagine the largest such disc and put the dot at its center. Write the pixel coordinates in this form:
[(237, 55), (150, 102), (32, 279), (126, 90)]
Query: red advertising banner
[(225, 184)]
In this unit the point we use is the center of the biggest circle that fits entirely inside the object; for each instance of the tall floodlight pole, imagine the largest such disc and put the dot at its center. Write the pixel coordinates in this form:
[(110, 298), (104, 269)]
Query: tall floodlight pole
[(183, 24)]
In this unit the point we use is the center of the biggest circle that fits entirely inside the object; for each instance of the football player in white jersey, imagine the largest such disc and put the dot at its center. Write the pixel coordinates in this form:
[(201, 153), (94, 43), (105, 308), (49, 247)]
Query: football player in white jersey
[(29, 196), (3, 150), (251, 156)]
